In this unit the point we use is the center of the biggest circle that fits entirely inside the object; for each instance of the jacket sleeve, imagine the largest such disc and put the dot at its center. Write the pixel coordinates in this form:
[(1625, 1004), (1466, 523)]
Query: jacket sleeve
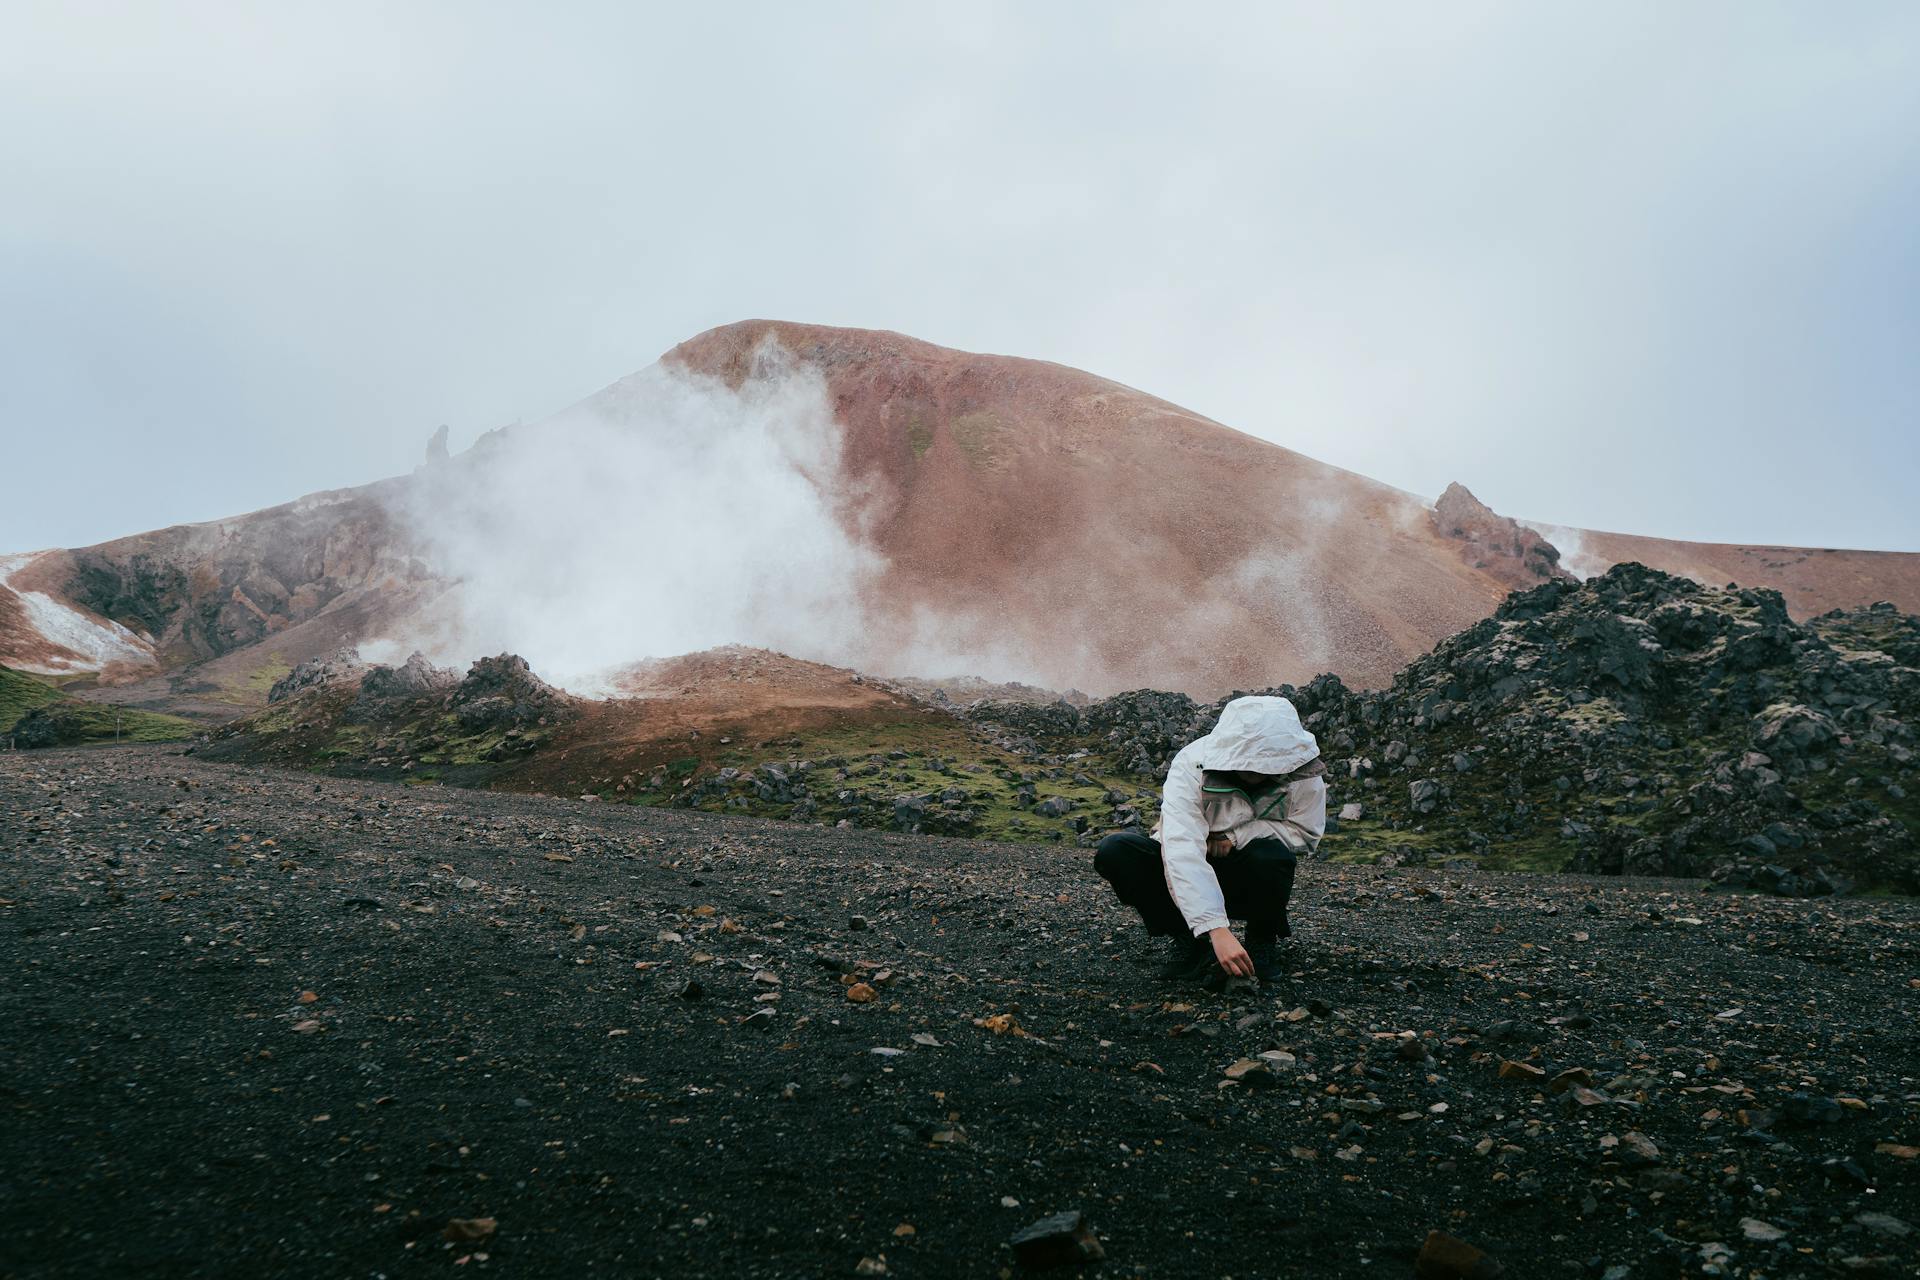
[(1306, 819), (1183, 849)]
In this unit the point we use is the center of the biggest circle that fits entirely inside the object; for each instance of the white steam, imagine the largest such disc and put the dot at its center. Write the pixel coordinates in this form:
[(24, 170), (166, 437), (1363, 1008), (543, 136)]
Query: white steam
[(1575, 557), (669, 513)]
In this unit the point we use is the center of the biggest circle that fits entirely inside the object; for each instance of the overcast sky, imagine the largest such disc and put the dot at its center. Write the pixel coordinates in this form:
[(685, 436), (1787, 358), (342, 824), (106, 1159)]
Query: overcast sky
[(1641, 267)]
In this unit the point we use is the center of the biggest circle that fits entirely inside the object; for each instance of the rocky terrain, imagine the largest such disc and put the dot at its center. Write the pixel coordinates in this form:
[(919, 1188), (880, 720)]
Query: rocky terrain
[(1655, 726), (263, 1023), (1635, 723), (1638, 722), (336, 710), (734, 729)]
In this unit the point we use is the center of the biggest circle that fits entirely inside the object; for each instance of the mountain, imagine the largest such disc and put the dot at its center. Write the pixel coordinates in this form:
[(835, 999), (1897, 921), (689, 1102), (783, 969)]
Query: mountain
[(1083, 533)]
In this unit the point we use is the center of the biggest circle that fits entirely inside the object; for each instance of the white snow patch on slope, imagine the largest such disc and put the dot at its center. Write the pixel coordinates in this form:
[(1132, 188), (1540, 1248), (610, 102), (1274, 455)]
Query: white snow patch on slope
[(100, 642)]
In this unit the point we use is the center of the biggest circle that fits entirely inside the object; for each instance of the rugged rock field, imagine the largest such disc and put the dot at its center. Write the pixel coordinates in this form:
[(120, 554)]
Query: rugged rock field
[(262, 1023)]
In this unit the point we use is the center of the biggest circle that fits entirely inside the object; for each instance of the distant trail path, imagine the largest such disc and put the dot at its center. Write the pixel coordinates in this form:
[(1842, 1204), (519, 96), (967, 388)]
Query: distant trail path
[(500, 1027)]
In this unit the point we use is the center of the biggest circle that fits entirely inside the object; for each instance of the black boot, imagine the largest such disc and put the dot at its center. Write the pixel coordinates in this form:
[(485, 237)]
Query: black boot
[(1268, 955), (1185, 955), (1267, 948)]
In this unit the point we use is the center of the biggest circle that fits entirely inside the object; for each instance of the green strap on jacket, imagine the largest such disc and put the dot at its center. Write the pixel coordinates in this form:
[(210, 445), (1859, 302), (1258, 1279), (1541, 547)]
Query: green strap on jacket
[(1279, 798)]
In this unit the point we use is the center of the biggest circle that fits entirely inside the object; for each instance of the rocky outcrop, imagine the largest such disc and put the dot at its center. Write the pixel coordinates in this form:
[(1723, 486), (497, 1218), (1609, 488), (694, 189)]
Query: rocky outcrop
[(385, 690), (503, 693), (59, 724), (315, 673), (345, 715), (1651, 725), (1495, 543), (1636, 723), (1876, 629), (1140, 730)]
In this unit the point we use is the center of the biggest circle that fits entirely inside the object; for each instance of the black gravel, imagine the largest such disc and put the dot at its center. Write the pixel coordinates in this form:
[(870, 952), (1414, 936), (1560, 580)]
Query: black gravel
[(535, 1013)]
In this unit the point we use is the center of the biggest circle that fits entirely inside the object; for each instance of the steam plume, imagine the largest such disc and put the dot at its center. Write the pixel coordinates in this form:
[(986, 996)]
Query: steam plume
[(667, 514)]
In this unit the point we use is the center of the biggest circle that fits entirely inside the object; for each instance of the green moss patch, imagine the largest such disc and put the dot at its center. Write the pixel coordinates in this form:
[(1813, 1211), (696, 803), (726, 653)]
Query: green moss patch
[(919, 435), (21, 693)]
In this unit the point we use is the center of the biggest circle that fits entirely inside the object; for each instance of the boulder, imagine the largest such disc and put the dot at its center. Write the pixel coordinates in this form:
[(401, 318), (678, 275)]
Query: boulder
[(1425, 795), (1792, 729)]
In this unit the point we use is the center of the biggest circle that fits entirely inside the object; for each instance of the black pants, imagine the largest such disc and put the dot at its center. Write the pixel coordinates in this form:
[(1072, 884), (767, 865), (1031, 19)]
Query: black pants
[(1257, 881)]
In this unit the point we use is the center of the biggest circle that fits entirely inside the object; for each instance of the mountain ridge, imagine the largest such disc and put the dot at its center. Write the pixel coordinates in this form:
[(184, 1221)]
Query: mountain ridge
[(1057, 525)]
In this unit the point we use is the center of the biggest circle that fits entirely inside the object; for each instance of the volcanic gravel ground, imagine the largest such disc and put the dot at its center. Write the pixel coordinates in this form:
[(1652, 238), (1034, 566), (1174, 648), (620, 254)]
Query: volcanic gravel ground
[(254, 1023)]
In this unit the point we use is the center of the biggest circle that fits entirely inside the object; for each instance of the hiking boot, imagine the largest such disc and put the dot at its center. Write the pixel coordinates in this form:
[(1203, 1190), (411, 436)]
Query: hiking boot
[(1268, 956), (1185, 955)]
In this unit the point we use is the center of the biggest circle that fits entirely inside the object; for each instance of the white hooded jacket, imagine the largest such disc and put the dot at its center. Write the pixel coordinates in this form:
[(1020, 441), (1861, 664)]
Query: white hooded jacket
[(1254, 735)]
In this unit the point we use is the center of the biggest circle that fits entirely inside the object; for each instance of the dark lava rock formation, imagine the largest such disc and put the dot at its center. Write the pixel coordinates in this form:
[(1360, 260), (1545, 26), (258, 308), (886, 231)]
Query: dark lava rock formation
[(392, 715), (503, 692), (314, 673), (383, 687), (1638, 722)]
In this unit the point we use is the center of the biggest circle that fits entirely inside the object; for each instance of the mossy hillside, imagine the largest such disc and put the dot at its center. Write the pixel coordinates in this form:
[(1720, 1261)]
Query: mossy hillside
[(35, 712), (427, 739), (854, 771), (1637, 723), (21, 693), (859, 773), (249, 688), (68, 722)]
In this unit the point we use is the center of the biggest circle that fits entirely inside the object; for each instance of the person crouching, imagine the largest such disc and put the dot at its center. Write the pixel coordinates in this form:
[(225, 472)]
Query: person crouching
[(1241, 806)]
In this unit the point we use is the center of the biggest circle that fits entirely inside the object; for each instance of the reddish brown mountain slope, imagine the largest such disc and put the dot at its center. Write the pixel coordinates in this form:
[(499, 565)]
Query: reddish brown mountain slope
[(1111, 539), (1812, 580), (1107, 539)]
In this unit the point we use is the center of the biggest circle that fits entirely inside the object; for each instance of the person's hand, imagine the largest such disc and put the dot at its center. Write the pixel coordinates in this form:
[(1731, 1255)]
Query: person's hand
[(1219, 844), (1231, 955)]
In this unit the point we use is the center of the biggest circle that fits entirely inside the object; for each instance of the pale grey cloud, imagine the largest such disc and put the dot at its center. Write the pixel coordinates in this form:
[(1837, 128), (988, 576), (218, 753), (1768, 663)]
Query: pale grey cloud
[(1627, 266)]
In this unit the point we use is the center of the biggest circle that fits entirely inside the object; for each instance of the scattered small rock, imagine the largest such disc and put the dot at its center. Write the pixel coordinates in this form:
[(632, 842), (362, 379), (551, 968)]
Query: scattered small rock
[(1061, 1240), (1521, 1072), (1444, 1257)]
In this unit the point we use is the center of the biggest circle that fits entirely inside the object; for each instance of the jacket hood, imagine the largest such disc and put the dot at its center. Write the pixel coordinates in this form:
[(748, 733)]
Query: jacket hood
[(1258, 735)]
